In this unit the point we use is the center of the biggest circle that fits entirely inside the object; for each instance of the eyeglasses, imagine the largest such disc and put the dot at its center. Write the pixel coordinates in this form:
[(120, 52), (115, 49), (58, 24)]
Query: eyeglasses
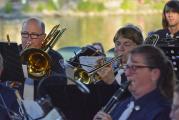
[(32, 35), (135, 67)]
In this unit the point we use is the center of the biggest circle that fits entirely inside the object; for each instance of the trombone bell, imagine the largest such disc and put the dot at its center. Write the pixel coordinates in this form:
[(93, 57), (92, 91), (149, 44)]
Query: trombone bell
[(38, 62)]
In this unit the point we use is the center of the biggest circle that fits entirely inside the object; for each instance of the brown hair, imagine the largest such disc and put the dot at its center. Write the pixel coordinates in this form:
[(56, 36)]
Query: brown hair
[(172, 5), (156, 58), (130, 32)]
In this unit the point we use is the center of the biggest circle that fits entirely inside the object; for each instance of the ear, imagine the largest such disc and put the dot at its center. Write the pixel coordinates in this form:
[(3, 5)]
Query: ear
[(155, 74)]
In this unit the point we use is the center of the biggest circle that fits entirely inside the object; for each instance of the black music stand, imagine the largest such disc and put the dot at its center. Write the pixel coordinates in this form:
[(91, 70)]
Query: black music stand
[(12, 65), (172, 51)]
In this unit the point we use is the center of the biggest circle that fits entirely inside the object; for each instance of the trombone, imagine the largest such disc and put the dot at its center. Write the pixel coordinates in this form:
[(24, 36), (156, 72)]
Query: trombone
[(92, 76), (37, 60)]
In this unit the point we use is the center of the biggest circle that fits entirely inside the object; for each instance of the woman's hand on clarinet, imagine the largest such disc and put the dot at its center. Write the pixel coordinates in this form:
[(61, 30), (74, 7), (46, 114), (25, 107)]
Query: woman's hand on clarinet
[(102, 116)]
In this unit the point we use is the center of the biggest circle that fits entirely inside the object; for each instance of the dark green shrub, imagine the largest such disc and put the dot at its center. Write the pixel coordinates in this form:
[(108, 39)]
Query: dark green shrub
[(26, 8), (90, 6), (8, 8), (129, 5)]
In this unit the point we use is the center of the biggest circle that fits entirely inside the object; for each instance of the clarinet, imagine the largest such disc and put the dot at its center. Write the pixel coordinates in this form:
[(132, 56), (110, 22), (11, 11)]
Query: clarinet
[(108, 108)]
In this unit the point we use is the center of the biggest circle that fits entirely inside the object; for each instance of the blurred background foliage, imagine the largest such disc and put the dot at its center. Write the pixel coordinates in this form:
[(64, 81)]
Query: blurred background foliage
[(87, 21), (83, 5), (87, 6)]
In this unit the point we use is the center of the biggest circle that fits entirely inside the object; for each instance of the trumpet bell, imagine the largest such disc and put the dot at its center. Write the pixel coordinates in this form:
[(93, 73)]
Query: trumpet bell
[(81, 75), (38, 62), (92, 76)]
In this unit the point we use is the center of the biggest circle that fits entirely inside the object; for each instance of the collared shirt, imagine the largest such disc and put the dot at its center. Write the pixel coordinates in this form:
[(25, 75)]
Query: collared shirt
[(152, 106), (118, 76)]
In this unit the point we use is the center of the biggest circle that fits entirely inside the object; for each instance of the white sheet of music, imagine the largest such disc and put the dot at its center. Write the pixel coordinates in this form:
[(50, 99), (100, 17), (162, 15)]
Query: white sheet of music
[(90, 61)]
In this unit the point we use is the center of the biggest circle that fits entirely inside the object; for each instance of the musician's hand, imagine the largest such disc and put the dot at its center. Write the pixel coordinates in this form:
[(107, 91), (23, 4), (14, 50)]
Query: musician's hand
[(107, 74), (102, 116)]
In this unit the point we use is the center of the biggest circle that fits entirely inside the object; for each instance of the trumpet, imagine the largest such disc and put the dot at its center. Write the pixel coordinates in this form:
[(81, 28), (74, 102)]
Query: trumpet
[(37, 60), (92, 76)]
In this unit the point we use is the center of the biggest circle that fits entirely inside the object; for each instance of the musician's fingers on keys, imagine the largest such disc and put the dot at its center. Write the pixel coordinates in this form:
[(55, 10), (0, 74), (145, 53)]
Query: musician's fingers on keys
[(102, 116)]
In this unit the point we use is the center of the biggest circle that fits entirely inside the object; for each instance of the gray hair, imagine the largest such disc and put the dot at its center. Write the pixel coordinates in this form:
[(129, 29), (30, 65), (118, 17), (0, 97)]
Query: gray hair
[(40, 23)]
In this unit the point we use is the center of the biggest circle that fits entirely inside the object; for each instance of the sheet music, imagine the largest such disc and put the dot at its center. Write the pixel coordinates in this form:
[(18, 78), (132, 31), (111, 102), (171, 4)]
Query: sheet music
[(90, 61)]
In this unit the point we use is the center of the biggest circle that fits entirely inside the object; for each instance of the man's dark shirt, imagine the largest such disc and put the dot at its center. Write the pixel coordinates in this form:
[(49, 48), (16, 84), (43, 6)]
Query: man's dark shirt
[(165, 37), (57, 70), (169, 42)]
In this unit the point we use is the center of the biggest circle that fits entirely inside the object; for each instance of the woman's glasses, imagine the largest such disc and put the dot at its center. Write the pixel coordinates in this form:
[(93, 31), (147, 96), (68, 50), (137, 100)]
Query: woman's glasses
[(136, 67)]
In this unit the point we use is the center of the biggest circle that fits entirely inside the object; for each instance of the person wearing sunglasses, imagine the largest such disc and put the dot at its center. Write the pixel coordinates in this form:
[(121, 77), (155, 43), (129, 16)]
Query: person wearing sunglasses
[(151, 79)]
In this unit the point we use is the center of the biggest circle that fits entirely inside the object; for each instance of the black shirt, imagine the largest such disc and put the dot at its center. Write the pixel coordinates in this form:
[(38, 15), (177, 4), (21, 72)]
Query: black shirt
[(169, 42), (7, 99), (165, 37)]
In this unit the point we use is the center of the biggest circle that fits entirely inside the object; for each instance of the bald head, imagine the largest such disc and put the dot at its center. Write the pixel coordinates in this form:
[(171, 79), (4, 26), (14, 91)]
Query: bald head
[(32, 33), (34, 22)]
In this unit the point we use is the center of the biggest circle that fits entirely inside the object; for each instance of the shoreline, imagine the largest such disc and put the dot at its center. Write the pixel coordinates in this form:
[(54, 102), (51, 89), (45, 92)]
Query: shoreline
[(19, 14)]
